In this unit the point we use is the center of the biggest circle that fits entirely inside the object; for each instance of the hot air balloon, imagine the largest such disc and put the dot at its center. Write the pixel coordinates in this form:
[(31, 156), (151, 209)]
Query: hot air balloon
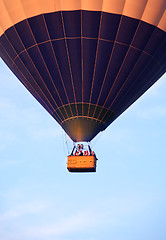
[(85, 61)]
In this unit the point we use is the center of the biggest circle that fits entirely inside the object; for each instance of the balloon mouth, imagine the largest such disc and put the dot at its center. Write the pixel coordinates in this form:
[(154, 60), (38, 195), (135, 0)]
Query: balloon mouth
[(83, 121), (82, 129)]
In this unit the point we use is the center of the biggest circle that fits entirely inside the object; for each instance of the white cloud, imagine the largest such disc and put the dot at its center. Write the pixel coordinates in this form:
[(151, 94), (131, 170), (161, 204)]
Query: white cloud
[(123, 210), (19, 211), (106, 212), (74, 223)]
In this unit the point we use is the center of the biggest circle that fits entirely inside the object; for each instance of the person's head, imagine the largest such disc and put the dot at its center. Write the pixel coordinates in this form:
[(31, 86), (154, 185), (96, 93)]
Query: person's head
[(93, 153)]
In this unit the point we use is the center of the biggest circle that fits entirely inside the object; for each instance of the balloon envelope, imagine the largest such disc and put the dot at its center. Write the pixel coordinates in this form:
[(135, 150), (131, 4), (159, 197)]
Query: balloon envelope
[(85, 61)]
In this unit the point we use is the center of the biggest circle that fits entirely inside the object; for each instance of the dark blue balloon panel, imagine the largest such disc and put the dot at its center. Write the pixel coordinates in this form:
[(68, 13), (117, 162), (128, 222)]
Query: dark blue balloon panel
[(85, 65)]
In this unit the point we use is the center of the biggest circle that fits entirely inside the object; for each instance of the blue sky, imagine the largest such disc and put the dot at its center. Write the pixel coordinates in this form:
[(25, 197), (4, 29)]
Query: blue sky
[(39, 199)]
